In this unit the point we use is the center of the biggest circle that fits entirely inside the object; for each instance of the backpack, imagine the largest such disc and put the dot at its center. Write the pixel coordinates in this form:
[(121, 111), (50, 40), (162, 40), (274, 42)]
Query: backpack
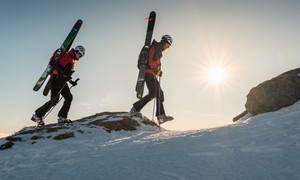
[(62, 63), (143, 57), (54, 60)]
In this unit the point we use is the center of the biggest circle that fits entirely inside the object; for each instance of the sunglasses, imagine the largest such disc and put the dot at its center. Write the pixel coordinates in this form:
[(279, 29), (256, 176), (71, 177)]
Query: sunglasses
[(78, 53)]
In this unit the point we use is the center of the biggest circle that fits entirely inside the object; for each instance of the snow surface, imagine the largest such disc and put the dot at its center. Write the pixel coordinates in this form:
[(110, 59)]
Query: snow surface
[(266, 146)]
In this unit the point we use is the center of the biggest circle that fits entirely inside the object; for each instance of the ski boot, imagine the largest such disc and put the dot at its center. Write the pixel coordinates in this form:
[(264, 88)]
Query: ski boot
[(62, 120), (164, 118), (133, 111), (38, 120)]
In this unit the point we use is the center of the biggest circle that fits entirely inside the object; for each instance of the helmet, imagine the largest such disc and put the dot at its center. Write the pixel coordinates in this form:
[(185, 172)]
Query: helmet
[(167, 39), (81, 50)]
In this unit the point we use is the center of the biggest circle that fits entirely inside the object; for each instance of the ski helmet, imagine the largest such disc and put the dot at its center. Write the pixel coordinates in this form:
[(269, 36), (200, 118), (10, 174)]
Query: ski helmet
[(167, 39), (81, 50)]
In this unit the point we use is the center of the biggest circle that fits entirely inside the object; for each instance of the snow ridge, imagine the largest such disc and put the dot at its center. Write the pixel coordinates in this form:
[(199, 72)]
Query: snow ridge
[(262, 147)]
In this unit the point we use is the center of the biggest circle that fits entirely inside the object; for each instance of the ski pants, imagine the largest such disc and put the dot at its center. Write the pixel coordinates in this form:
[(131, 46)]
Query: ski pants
[(155, 91), (56, 86)]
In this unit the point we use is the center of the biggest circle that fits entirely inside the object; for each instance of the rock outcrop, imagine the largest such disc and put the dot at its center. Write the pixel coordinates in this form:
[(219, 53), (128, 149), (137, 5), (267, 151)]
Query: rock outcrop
[(274, 94), (106, 121)]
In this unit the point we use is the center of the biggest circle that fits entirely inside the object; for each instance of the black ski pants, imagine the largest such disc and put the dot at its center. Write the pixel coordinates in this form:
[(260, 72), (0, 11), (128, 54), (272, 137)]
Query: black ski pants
[(155, 91), (56, 86)]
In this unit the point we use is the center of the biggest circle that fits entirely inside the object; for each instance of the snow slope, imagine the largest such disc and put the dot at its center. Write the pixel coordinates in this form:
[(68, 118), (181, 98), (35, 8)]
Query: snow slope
[(266, 146)]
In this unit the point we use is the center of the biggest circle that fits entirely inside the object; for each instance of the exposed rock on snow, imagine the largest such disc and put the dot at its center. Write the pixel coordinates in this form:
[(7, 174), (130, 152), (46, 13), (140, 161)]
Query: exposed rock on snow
[(108, 121), (265, 147), (274, 94)]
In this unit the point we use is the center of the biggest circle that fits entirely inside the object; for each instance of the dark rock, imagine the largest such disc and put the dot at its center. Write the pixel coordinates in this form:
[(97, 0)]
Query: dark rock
[(125, 123), (6, 145), (13, 139), (64, 136), (37, 137), (109, 121), (41, 129), (274, 94)]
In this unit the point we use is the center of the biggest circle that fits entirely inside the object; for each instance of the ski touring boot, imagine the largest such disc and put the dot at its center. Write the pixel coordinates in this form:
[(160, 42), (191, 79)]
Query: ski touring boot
[(38, 120), (62, 120), (133, 111), (164, 118)]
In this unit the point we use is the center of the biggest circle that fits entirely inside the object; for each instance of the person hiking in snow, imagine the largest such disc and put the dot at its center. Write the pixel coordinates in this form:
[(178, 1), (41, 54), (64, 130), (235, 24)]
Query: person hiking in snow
[(153, 71), (61, 74)]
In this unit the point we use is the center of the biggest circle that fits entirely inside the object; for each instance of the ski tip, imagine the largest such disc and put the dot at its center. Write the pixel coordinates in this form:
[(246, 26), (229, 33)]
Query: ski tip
[(151, 16), (79, 21), (36, 88)]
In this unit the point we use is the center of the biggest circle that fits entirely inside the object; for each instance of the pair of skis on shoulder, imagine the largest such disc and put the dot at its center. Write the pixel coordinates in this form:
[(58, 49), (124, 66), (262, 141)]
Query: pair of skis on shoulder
[(143, 58), (66, 45)]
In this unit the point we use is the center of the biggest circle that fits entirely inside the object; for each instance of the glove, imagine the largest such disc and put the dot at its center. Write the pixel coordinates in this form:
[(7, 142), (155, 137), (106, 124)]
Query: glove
[(73, 83), (159, 73), (66, 78)]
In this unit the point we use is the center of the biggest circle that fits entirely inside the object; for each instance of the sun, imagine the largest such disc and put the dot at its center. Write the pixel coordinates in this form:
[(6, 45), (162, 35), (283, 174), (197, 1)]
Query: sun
[(216, 74)]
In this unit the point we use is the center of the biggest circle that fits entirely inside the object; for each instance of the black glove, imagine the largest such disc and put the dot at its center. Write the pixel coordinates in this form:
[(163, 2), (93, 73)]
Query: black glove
[(73, 83), (65, 78)]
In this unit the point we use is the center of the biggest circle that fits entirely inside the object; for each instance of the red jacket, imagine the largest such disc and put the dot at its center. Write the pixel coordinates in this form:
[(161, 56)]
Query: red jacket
[(155, 54), (65, 65)]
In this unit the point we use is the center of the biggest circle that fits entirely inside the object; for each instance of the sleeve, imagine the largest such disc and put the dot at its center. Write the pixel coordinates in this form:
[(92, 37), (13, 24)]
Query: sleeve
[(157, 53), (69, 70)]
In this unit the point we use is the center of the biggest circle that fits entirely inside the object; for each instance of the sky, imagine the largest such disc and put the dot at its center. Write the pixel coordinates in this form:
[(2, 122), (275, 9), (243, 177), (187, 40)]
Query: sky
[(248, 41)]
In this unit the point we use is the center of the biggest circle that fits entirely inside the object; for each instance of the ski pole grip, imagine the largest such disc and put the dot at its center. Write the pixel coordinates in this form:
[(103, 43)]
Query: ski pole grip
[(77, 80)]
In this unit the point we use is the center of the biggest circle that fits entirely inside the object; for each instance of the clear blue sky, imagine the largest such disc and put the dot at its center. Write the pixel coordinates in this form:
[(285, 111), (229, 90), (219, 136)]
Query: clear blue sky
[(251, 40)]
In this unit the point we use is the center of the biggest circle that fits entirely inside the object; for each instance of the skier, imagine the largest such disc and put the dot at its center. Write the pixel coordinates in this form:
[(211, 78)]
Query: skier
[(63, 68), (152, 71)]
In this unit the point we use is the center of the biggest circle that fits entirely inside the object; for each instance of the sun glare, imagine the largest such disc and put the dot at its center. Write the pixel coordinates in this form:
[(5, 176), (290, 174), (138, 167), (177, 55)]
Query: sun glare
[(216, 74)]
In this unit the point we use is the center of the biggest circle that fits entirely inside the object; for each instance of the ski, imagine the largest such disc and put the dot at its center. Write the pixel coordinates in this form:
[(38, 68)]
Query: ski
[(64, 47), (143, 57), (47, 87)]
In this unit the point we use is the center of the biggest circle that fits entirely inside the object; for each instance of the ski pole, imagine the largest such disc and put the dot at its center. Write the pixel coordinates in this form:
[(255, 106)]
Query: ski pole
[(59, 99), (154, 101), (153, 109), (159, 100), (159, 93)]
